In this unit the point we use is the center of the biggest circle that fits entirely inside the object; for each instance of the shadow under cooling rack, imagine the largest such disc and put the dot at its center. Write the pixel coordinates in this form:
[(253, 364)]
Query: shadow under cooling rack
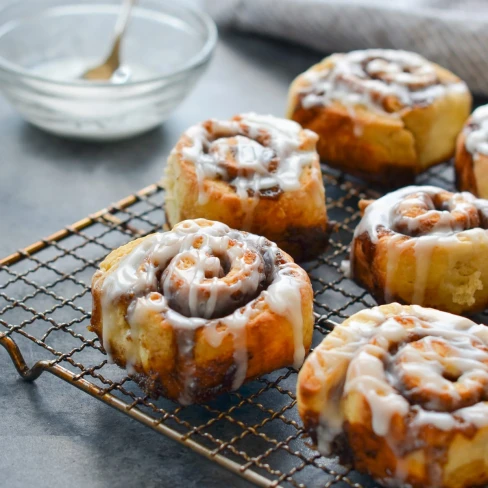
[(256, 432)]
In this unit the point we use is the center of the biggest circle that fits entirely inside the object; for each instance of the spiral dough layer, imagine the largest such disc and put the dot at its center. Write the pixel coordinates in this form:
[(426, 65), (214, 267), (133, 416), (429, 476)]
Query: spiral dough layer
[(403, 392), (383, 115), (380, 79), (187, 312), (253, 172), (426, 246), (257, 154)]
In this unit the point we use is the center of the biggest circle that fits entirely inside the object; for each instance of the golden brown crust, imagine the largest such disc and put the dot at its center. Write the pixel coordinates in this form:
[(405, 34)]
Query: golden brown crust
[(457, 276), (448, 273), (411, 454), (161, 370), (458, 451), (384, 152), (382, 147), (464, 164), (296, 220)]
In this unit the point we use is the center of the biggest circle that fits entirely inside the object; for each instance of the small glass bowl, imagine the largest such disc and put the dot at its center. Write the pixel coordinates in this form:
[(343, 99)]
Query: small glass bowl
[(46, 46)]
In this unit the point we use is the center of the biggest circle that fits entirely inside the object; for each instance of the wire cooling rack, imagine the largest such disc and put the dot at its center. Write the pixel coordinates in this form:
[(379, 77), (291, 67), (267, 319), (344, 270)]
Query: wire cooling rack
[(45, 305)]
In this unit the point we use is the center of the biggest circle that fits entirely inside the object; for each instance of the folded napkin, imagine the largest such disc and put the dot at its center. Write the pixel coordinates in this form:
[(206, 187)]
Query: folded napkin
[(453, 33)]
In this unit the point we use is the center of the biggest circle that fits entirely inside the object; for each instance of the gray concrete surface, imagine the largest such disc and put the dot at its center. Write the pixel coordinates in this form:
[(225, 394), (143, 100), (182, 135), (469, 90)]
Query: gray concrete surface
[(52, 435)]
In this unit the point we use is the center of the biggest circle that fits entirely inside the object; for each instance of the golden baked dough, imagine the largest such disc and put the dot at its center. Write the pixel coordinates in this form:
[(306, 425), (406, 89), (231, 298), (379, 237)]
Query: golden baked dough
[(424, 245), (255, 173), (382, 115), (402, 392), (199, 310), (472, 154)]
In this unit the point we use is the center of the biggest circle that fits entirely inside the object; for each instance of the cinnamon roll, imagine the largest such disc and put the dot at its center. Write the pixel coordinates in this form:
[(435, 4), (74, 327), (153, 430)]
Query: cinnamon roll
[(382, 115), (201, 309), (472, 154), (255, 173), (424, 245), (402, 392)]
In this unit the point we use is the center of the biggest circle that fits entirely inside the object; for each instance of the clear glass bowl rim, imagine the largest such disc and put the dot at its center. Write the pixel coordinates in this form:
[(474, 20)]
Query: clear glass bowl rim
[(199, 58)]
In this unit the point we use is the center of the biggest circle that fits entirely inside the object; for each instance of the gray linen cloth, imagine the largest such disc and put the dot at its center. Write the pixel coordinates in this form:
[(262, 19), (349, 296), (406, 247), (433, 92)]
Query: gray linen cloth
[(453, 33)]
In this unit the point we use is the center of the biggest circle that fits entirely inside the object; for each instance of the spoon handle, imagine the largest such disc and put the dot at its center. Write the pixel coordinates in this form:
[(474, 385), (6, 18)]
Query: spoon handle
[(113, 59), (106, 70), (123, 19)]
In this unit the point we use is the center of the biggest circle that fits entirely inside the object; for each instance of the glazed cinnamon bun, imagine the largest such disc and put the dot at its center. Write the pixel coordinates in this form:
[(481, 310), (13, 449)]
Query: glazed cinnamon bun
[(402, 392), (382, 115), (472, 154), (201, 309), (255, 173), (424, 245)]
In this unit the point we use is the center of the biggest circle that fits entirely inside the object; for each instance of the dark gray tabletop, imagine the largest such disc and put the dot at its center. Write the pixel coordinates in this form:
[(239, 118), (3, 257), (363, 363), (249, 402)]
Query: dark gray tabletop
[(50, 433)]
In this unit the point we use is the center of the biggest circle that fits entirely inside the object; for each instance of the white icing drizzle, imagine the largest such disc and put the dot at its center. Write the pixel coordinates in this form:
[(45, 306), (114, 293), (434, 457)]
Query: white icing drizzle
[(284, 300), (371, 77), (253, 153), (204, 275), (439, 363), (393, 253), (424, 248), (346, 268), (237, 325), (425, 217), (477, 132)]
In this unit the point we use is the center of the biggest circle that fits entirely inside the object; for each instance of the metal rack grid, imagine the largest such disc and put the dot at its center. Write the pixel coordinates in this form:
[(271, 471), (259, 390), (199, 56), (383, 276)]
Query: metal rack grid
[(45, 305)]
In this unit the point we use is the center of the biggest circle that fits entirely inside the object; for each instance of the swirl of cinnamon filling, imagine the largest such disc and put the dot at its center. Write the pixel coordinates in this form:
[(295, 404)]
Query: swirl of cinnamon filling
[(403, 390), (380, 79), (431, 210), (423, 245), (211, 287), (257, 155)]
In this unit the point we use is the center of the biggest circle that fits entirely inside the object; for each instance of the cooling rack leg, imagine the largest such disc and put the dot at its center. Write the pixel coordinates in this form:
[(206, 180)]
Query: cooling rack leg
[(28, 374)]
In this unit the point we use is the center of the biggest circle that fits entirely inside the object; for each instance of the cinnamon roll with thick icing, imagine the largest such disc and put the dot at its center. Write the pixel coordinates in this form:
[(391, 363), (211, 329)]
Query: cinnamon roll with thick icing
[(382, 115), (402, 393), (201, 309), (472, 154), (255, 173), (424, 245)]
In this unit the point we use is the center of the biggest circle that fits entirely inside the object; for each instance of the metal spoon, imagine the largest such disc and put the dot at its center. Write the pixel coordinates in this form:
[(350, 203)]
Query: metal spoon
[(106, 70)]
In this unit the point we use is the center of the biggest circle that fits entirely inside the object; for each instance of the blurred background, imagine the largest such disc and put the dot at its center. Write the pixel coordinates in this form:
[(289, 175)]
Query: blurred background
[(48, 181)]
